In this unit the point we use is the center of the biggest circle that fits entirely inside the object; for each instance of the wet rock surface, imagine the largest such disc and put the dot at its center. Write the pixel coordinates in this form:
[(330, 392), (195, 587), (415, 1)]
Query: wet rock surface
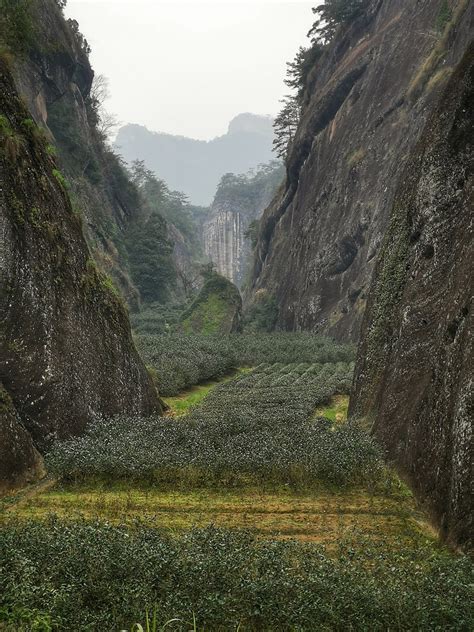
[(367, 101), (414, 374), (66, 351)]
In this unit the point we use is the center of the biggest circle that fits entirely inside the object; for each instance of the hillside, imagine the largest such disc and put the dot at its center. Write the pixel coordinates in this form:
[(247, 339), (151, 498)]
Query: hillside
[(196, 166)]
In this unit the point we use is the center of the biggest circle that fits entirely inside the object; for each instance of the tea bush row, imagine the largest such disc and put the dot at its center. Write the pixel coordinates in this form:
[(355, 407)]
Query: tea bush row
[(182, 361), (243, 431), (89, 576)]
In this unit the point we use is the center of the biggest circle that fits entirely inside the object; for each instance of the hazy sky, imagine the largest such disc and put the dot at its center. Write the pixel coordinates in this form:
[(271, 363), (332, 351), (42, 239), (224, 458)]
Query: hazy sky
[(188, 67)]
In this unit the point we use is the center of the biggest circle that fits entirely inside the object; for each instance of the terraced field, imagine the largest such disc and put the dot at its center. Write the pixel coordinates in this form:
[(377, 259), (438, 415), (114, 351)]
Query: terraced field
[(252, 505)]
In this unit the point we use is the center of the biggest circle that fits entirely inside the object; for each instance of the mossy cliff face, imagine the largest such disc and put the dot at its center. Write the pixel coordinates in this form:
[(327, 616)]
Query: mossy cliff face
[(54, 77), (216, 310), (66, 351), (366, 102), (413, 380)]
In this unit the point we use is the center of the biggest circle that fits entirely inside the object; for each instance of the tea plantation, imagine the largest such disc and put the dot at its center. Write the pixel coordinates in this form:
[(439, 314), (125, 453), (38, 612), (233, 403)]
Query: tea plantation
[(256, 508)]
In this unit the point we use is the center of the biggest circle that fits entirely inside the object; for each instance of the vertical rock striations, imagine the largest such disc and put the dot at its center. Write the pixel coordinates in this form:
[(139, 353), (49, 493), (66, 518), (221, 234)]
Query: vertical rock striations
[(66, 351), (414, 381), (367, 99), (239, 201)]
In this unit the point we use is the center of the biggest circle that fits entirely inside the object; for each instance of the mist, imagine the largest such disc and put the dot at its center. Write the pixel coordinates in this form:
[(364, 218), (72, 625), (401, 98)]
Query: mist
[(188, 68)]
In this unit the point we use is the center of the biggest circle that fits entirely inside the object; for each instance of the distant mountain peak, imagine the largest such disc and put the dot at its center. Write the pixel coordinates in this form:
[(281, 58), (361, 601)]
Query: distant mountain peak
[(196, 166), (251, 123)]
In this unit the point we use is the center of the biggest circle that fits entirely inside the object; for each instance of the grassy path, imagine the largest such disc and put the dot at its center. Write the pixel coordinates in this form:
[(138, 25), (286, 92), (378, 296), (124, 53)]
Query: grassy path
[(180, 404), (323, 516)]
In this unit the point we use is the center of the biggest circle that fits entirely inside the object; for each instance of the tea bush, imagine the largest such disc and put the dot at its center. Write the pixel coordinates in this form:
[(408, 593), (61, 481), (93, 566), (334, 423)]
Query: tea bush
[(94, 576), (182, 361), (255, 428)]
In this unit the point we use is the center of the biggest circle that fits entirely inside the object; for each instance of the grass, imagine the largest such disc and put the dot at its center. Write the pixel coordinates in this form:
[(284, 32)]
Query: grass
[(336, 410), (180, 404), (323, 517), (446, 22)]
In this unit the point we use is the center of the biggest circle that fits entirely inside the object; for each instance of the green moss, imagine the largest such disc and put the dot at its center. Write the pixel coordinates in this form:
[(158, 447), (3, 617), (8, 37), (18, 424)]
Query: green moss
[(61, 179), (19, 212), (214, 308), (35, 217), (444, 16), (6, 404), (356, 157), (95, 282)]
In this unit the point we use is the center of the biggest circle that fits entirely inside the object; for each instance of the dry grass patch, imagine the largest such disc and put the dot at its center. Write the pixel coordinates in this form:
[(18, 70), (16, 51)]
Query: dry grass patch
[(325, 516)]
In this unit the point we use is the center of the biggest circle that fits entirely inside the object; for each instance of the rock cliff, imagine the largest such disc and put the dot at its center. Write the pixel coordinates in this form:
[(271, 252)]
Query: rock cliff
[(414, 381), (367, 100), (54, 76), (66, 351), (239, 201)]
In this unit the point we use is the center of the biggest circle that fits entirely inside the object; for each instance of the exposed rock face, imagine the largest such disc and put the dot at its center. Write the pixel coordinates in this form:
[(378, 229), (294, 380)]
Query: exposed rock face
[(20, 462), (239, 201), (195, 166), (414, 379), (66, 351), (368, 98), (55, 80)]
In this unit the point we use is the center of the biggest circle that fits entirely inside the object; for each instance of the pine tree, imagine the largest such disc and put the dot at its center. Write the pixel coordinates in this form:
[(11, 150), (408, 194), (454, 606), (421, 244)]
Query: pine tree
[(331, 15), (285, 125)]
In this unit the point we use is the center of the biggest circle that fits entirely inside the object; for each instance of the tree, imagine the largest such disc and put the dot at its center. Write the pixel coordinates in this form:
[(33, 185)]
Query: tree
[(297, 71), (331, 15), (105, 122), (151, 261), (286, 124)]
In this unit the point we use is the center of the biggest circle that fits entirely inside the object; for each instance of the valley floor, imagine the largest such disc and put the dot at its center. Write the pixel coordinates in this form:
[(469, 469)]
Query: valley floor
[(308, 531)]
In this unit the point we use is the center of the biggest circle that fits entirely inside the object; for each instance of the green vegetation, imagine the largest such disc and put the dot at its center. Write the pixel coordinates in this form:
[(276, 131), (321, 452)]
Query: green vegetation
[(285, 125), (150, 256), (17, 32), (96, 576), (262, 315), (332, 15), (280, 513), (246, 189), (155, 318), (310, 530), (216, 309), (256, 427), (11, 143), (335, 410), (356, 157), (444, 16), (182, 403), (301, 75), (61, 179), (150, 250), (427, 68), (183, 361)]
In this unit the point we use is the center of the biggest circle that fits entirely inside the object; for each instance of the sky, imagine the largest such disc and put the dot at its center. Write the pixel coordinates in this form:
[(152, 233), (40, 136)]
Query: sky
[(188, 67)]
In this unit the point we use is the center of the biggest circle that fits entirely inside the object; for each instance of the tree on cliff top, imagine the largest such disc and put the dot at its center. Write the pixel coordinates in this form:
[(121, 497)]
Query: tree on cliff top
[(332, 14)]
